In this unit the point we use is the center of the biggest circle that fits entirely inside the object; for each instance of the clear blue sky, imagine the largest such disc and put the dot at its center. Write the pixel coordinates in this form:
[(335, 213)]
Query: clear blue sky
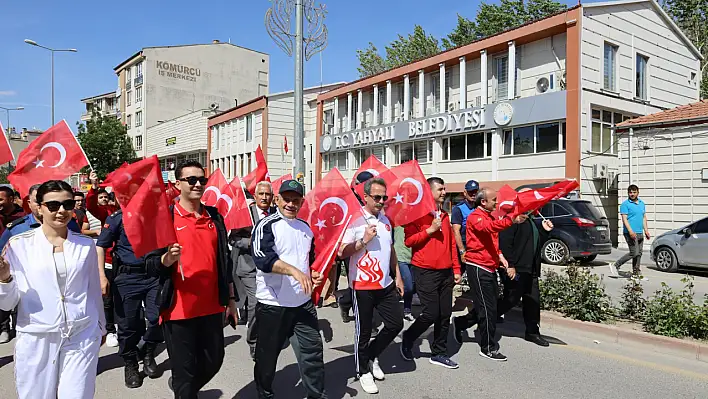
[(107, 33)]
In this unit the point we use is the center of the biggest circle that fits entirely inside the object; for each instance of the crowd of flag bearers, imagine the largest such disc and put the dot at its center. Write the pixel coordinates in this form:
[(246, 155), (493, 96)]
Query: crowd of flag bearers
[(177, 260)]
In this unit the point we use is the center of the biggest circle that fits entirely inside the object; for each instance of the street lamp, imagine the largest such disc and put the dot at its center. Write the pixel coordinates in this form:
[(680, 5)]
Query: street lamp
[(314, 40), (8, 116), (52, 50)]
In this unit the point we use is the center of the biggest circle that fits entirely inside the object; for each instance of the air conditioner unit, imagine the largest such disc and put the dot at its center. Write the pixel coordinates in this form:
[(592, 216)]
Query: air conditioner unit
[(451, 106), (543, 84), (599, 171)]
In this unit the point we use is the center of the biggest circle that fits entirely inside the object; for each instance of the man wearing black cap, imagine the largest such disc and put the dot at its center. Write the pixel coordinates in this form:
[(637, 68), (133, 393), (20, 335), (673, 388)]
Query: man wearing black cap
[(283, 251), (460, 213)]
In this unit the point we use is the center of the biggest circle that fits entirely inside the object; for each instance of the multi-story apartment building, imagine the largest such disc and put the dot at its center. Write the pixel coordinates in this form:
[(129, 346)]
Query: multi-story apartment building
[(533, 104), (161, 83), (105, 104), (267, 121)]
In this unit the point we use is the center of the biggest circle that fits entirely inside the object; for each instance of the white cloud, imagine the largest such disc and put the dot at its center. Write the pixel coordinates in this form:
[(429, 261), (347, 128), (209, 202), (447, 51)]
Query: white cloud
[(7, 93)]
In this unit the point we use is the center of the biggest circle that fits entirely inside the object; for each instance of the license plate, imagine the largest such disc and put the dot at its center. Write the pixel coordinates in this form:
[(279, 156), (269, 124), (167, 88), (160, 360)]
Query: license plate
[(601, 228)]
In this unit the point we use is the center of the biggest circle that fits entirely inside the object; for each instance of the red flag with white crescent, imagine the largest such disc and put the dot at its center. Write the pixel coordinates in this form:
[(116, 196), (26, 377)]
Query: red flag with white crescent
[(5, 150), (409, 195), (532, 200), (257, 175), (228, 200), (54, 155), (371, 165), (278, 182)]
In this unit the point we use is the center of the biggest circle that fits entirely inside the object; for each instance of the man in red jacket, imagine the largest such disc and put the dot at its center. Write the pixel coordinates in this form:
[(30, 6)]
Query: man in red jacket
[(435, 270), (483, 258)]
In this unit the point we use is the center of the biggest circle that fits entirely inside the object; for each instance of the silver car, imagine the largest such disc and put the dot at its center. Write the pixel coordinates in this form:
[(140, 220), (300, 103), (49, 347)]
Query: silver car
[(685, 246)]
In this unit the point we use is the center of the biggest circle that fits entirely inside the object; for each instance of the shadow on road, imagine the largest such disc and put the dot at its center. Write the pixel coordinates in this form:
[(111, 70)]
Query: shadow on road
[(684, 270), (211, 394), (5, 360), (231, 339)]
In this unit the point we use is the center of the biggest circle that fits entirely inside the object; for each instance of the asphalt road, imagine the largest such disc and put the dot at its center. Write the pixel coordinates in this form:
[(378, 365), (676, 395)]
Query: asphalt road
[(575, 366)]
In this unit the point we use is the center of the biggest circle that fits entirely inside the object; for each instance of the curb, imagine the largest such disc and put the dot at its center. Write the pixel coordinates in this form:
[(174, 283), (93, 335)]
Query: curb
[(684, 348)]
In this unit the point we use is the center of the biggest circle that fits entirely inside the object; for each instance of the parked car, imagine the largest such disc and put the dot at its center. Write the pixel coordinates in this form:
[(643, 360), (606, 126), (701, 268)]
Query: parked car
[(580, 232), (685, 246)]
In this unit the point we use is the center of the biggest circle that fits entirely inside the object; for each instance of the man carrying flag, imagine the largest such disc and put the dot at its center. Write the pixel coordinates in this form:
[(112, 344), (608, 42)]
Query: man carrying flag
[(368, 243)]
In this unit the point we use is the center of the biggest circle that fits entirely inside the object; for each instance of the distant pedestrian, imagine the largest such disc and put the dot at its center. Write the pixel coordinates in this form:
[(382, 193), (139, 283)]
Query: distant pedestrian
[(404, 255), (635, 226)]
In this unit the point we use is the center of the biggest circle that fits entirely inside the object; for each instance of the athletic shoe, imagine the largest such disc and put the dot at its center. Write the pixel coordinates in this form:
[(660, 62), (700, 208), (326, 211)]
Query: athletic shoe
[(406, 351), (4, 337), (495, 355), (443, 361), (456, 332), (408, 315), (614, 270), (368, 384), (376, 370), (111, 340)]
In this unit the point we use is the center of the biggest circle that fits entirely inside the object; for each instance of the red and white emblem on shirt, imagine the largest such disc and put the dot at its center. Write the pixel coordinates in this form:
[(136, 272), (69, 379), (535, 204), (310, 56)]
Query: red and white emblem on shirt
[(388, 227), (370, 273)]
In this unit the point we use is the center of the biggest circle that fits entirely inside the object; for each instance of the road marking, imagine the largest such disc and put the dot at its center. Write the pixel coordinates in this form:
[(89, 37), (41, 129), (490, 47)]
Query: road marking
[(637, 362)]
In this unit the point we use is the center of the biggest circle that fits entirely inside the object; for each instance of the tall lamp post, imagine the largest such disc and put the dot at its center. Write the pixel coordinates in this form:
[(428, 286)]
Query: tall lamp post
[(310, 39), (51, 50), (8, 116)]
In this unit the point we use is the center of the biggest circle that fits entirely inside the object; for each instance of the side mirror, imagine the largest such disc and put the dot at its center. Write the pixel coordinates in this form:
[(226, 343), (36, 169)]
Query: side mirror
[(687, 232)]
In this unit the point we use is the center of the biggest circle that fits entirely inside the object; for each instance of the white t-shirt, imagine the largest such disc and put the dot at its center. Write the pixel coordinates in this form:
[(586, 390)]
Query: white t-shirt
[(370, 268)]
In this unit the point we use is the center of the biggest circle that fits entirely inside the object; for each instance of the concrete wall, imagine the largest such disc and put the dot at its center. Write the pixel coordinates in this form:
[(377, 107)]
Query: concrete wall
[(667, 167), (232, 146), (537, 60), (189, 131)]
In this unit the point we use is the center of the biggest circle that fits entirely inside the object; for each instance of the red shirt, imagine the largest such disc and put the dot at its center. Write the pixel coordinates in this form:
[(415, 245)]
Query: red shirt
[(483, 238), (436, 251), (198, 294)]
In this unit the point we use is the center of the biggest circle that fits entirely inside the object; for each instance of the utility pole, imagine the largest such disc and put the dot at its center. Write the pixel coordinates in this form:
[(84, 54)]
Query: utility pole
[(278, 22), (51, 50)]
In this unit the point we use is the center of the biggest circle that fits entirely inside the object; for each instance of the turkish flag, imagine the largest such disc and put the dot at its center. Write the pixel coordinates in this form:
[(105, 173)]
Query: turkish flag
[(141, 195), (276, 184), (228, 200), (5, 150), (257, 175), (532, 200), (371, 165), (173, 192), (329, 208), (409, 195), (54, 155), (507, 202), (285, 146)]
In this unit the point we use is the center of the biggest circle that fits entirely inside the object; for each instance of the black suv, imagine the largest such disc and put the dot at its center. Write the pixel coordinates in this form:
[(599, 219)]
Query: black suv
[(580, 232)]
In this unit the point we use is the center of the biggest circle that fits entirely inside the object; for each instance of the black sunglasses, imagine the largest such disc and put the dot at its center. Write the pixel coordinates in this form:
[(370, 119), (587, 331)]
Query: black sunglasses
[(378, 198), (192, 180), (54, 206)]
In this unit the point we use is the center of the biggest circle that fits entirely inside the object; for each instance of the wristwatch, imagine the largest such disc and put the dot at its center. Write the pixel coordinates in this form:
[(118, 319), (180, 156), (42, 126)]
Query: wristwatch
[(8, 281)]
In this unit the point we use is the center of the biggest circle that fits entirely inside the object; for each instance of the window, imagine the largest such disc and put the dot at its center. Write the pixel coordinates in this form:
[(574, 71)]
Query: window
[(139, 70), (249, 128), (421, 150), (248, 163), (435, 94), (128, 97), (399, 99), (380, 153), (139, 94), (138, 118), (355, 112), (547, 137), (412, 91), (467, 146), (501, 72), (380, 109), (610, 67), (240, 165), (341, 160), (361, 155), (127, 122), (128, 74), (310, 153), (602, 137), (328, 121), (138, 143), (534, 139), (641, 78), (523, 140), (216, 132)]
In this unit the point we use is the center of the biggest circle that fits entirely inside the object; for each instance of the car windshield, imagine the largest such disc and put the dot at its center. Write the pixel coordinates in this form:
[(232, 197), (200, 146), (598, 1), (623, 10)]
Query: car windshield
[(587, 210)]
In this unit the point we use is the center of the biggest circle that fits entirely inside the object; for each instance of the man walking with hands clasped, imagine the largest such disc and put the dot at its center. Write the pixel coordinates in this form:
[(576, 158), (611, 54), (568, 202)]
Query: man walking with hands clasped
[(634, 223)]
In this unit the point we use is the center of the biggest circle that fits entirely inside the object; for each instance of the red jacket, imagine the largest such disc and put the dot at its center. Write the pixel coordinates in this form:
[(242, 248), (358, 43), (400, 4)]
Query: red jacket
[(437, 251), (100, 212), (482, 235)]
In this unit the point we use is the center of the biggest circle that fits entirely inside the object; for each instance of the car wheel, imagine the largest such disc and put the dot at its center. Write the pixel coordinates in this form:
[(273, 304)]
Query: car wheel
[(585, 259), (666, 260), (555, 252)]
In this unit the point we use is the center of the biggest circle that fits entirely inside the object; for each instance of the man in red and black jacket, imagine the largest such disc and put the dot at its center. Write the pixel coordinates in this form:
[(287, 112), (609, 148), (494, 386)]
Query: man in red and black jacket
[(435, 270), (483, 258)]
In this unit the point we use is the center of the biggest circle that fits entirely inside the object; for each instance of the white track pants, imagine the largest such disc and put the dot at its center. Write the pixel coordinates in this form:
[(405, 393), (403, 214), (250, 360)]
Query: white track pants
[(47, 368)]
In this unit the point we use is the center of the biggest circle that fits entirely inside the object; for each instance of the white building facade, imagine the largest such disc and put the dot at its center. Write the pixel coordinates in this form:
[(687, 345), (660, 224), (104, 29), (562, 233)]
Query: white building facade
[(104, 104), (535, 104)]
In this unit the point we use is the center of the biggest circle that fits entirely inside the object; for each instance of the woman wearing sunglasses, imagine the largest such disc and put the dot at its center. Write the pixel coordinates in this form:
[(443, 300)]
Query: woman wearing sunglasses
[(52, 273)]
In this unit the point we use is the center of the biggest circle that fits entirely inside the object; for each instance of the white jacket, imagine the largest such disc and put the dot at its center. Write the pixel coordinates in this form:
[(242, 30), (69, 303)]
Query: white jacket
[(42, 307)]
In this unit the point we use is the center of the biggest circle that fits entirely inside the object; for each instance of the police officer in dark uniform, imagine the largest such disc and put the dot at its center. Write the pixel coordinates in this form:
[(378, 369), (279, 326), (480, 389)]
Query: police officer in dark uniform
[(131, 288)]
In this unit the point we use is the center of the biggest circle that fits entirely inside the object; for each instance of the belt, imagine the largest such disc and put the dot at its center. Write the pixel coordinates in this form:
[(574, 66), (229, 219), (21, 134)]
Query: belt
[(132, 269)]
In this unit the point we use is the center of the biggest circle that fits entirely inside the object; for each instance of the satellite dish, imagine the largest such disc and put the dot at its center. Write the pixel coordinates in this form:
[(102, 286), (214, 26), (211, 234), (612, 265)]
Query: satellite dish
[(542, 85)]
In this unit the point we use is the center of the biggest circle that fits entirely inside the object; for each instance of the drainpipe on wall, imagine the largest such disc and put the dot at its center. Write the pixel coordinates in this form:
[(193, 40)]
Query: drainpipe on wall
[(629, 152)]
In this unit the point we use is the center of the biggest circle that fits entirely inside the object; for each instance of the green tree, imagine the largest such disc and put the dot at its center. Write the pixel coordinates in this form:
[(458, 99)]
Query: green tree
[(692, 17), (106, 143), (464, 33), (4, 171), (401, 51)]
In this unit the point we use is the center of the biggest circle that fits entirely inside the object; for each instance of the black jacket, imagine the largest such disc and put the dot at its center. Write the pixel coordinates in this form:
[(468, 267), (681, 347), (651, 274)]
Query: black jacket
[(240, 241), (516, 243), (155, 268)]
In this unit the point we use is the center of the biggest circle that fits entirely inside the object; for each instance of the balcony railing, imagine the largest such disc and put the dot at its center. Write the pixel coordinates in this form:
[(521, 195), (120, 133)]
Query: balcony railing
[(128, 85), (138, 81)]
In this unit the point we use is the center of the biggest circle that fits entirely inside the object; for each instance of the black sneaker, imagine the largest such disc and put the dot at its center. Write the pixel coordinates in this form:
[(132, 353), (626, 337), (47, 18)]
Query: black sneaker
[(495, 355), (344, 311), (406, 351), (444, 361), (537, 339), (456, 332)]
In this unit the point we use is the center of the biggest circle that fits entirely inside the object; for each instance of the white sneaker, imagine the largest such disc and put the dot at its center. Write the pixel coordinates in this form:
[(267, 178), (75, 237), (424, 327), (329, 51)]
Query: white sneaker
[(111, 340), (614, 272), (376, 370), (368, 384)]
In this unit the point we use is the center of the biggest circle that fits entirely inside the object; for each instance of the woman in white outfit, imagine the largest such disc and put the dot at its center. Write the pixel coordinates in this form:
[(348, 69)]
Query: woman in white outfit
[(52, 273)]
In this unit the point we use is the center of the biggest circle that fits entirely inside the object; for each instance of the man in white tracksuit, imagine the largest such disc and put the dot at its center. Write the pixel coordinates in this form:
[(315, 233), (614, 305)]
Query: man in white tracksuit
[(59, 330)]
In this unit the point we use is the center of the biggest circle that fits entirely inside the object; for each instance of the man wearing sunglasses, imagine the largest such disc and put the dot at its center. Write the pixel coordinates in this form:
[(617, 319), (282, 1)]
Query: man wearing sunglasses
[(131, 287), (368, 243), (197, 286)]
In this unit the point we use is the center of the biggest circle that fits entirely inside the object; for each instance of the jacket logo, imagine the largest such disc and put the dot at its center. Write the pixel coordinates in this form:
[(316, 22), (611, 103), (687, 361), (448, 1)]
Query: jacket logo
[(370, 269)]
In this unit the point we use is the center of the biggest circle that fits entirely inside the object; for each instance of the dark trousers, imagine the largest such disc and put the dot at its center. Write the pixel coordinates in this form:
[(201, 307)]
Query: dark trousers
[(196, 350), (108, 305), (248, 282), (635, 253), (276, 324), (131, 290), (385, 301), (8, 320), (345, 301), (434, 288), (485, 293), (524, 289)]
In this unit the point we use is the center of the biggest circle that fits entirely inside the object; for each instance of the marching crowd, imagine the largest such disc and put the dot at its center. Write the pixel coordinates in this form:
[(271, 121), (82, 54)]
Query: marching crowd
[(71, 282)]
